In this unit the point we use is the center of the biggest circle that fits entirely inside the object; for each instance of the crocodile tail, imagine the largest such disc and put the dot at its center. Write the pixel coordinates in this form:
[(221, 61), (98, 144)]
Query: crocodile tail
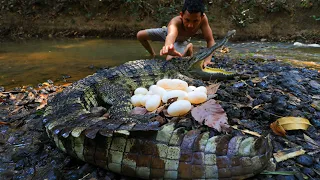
[(244, 157), (167, 152)]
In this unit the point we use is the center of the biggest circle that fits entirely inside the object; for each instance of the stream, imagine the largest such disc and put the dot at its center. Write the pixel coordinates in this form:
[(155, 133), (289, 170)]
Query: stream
[(31, 62)]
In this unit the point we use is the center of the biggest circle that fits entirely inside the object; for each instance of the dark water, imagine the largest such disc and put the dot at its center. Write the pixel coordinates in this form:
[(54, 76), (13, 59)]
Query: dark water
[(33, 62)]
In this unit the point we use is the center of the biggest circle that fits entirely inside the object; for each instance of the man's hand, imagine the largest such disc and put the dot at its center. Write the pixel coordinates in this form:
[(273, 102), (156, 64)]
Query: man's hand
[(207, 62), (169, 50)]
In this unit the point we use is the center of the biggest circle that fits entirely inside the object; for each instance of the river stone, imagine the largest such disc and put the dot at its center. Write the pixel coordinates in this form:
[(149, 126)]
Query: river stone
[(314, 84), (308, 171), (305, 160)]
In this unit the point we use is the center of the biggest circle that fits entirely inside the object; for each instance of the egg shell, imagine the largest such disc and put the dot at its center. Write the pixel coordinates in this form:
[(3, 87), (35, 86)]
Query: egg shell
[(191, 88), (201, 89), (179, 108), (157, 90), (181, 95), (144, 99), (141, 90), (178, 84), (164, 83), (153, 102), (197, 97), (136, 99), (149, 93)]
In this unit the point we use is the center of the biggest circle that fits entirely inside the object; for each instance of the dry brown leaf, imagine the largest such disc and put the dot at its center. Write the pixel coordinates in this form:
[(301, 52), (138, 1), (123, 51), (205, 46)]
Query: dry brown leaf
[(280, 126), (4, 123), (213, 88), (277, 129), (42, 104), (294, 123), (293, 100), (139, 110), (256, 80), (246, 131), (211, 114), (257, 106), (288, 153)]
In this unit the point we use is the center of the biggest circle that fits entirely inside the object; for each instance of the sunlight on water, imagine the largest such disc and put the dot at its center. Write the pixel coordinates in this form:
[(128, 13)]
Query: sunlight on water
[(33, 62)]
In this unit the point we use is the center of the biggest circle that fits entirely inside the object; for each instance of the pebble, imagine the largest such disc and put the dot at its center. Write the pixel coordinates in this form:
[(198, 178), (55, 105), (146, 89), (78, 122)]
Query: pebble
[(305, 160)]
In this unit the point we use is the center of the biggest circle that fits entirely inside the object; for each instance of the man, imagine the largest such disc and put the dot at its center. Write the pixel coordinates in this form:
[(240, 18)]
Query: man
[(179, 30)]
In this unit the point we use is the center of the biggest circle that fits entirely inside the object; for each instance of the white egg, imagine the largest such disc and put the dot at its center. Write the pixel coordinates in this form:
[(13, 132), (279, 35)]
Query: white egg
[(144, 99), (191, 88), (141, 90), (197, 97), (164, 83), (157, 90), (136, 99), (178, 84), (149, 93), (179, 108), (181, 95), (153, 102), (201, 89)]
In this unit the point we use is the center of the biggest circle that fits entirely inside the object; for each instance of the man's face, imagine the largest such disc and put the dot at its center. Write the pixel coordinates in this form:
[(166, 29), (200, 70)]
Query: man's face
[(191, 21)]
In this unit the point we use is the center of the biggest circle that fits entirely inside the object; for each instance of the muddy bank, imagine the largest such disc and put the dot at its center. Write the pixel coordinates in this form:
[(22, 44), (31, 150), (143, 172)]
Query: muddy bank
[(278, 20)]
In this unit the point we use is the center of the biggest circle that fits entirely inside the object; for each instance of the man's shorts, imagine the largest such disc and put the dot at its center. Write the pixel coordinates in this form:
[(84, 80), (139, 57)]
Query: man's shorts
[(160, 34)]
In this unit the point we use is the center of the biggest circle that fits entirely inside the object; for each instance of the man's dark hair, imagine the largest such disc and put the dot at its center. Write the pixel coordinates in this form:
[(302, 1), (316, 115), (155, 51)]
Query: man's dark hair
[(193, 6)]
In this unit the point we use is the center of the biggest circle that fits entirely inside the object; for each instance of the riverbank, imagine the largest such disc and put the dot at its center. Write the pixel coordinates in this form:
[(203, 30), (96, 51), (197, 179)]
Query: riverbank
[(264, 91), (254, 20)]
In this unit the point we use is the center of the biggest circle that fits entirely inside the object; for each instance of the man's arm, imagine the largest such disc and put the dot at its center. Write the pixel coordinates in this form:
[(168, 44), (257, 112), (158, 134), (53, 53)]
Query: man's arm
[(207, 34), (168, 48)]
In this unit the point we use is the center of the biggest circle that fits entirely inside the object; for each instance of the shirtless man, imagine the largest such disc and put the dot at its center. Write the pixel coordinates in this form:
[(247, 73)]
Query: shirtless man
[(179, 30)]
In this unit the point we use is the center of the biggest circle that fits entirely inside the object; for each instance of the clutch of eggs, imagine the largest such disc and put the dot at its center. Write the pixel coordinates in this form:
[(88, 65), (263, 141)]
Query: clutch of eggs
[(166, 89)]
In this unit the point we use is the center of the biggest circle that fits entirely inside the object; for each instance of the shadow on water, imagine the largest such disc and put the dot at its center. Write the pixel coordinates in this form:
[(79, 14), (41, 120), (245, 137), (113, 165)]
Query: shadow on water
[(32, 62)]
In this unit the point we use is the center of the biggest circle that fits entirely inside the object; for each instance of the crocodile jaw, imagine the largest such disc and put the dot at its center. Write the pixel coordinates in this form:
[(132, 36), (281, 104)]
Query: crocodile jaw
[(209, 73)]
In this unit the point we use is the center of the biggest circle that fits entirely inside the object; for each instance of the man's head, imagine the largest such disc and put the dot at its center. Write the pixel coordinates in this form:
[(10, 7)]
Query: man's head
[(193, 6), (192, 14)]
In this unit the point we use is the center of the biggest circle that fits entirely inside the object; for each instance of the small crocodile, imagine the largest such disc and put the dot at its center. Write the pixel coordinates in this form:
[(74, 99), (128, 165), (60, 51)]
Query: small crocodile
[(91, 120)]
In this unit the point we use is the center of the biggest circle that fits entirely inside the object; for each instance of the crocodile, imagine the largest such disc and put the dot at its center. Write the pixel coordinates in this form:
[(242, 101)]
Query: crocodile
[(91, 120)]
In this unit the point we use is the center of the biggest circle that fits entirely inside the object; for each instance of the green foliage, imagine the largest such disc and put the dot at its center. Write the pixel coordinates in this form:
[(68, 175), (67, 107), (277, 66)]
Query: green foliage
[(316, 18), (165, 12)]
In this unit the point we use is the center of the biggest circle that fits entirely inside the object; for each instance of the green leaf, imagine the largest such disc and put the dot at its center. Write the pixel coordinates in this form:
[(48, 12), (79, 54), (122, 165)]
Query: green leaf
[(284, 173)]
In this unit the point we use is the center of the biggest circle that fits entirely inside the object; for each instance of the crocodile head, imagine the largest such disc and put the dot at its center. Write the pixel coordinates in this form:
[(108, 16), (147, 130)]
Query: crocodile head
[(194, 65)]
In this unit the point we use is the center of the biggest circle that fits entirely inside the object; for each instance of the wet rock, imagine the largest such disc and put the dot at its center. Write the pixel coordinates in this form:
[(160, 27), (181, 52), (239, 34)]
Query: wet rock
[(50, 81), (2, 89), (314, 84), (308, 171), (305, 160)]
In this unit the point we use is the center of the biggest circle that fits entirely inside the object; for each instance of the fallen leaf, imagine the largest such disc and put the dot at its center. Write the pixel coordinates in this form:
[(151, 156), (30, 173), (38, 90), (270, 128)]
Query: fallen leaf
[(211, 114), (280, 126), (139, 110), (4, 123), (293, 100), (294, 123), (256, 80), (257, 106), (213, 88), (284, 173), (246, 131), (277, 129), (285, 154), (316, 105)]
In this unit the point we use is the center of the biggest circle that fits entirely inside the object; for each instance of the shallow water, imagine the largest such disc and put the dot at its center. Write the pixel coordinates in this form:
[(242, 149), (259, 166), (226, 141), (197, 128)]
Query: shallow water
[(33, 62)]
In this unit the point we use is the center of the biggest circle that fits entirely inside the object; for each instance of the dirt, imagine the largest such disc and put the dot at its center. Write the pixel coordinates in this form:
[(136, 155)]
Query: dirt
[(275, 20)]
